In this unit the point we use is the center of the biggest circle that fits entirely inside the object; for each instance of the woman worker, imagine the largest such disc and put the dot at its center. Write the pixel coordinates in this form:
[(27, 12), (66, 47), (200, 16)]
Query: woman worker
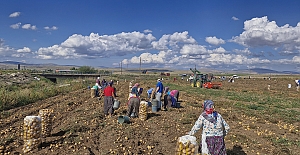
[(213, 132)]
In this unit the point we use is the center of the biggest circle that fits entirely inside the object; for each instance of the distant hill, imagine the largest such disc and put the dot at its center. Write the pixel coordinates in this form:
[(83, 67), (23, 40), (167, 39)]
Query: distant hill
[(268, 71)]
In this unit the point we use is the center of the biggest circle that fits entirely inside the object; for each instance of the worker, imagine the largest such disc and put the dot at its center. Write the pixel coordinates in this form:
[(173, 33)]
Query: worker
[(133, 106), (214, 130), (159, 92), (109, 96)]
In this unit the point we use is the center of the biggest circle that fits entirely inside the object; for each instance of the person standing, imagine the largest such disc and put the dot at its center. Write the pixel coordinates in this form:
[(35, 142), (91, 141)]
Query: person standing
[(159, 90), (109, 95), (98, 81), (214, 130)]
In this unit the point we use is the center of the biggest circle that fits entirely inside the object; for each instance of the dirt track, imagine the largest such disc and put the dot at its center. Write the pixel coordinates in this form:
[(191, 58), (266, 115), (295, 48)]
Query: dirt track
[(80, 127)]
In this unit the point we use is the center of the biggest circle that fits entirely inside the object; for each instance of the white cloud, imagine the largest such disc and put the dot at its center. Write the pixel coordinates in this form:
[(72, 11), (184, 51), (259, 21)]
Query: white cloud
[(174, 41), (15, 14), (197, 51), (15, 26), (234, 18), (29, 26), (245, 51), (95, 46), (51, 28), (214, 40), (147, 31), (259, 32), (24, 50)]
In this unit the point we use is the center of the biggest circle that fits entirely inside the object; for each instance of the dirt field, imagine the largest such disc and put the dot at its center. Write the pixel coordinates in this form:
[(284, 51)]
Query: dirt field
[(80, 127)]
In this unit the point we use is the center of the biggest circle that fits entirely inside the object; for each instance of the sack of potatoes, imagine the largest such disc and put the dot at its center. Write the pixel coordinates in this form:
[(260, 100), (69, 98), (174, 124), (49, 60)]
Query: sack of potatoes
[(32, 132), (143, 110), (47, 121), (187, 145)]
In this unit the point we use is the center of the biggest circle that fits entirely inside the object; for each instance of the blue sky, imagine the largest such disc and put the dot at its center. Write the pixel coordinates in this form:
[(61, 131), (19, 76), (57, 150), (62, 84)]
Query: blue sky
[(217, 34)]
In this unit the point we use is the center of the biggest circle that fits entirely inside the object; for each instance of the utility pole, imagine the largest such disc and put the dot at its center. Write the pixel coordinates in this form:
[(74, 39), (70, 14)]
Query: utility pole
[(140, 65), (121, 68)]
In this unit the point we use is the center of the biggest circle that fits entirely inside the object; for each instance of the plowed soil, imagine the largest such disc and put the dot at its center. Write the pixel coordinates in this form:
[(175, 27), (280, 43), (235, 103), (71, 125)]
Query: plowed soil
[(80, 127)]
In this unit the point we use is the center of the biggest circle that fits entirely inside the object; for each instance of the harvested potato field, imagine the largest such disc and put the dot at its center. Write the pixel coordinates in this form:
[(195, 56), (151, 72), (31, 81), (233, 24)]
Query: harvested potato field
[(263, 115)]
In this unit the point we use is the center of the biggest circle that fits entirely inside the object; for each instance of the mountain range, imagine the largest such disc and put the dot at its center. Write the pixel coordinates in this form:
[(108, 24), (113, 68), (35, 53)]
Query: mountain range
[(252, 71)]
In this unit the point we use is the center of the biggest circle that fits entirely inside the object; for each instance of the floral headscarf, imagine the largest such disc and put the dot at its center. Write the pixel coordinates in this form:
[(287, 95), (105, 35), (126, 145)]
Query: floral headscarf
[(208, 111)]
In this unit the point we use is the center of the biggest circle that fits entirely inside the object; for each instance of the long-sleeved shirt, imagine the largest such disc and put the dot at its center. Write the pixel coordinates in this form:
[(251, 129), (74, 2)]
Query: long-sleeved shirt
[(220, 128)]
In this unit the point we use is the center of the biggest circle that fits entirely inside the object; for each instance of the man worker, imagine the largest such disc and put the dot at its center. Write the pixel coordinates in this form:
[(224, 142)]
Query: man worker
[(109, 95), (159, 90)]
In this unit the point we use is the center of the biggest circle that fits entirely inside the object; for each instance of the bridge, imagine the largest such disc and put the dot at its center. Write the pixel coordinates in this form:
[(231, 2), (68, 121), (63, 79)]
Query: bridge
[(53, 76)]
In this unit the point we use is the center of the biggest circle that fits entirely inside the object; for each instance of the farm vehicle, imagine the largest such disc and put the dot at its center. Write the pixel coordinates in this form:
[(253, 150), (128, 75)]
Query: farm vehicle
[(203, 80)]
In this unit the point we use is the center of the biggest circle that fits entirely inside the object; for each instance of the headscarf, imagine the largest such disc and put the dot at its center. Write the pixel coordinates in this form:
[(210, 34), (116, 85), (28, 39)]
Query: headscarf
[(208, 111), (136, 85)]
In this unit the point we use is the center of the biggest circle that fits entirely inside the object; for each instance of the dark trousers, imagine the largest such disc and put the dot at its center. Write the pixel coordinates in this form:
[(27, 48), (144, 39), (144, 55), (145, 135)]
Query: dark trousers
[(108, 105), (133, 105)]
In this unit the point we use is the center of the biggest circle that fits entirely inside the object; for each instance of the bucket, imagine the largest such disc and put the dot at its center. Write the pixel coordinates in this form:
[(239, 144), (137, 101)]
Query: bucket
[(177, 104), (116, 104), (154, 108), (154, 102), (123, 119)]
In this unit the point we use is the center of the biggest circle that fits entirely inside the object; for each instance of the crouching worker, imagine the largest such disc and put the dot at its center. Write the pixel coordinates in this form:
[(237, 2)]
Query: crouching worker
[(175, 94), (214, 130), (109, 95), (133, 106)]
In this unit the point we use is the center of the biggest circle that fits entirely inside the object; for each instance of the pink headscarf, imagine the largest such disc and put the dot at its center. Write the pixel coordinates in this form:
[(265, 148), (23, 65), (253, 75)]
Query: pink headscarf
[(136, 85)]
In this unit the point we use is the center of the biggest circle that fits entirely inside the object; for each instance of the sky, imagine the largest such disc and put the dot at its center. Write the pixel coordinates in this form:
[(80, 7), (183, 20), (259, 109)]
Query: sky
[(177, 34)]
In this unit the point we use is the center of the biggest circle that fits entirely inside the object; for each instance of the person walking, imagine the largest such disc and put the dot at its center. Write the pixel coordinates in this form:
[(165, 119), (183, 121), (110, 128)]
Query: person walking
[(214, 130), (109, 95), (159, 90)]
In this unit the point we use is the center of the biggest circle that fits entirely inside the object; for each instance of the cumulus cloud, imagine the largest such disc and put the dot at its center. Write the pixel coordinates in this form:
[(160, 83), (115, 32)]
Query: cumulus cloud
[(234, 18), (147, 31), (245, 51), (29, 26), (174, 41), (260, 32), (24, 50), (15, 26), (9, 52), (198, 51), (51, 28), (15, 14), (95, 46), (214, 40)]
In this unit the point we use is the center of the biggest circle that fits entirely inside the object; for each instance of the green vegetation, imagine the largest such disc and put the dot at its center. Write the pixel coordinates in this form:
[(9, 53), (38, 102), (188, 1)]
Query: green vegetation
[(16, 95)]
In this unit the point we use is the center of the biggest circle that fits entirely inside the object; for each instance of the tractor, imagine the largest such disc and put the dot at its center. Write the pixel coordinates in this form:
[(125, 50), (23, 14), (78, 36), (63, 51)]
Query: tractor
[(199, 78), (203, 80)]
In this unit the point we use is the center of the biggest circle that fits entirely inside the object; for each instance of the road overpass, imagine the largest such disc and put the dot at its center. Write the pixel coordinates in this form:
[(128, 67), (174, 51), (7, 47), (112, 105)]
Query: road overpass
[(53, 76)]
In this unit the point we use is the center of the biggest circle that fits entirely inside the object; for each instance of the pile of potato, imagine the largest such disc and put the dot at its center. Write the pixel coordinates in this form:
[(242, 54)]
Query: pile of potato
[(143, 111), (47, 120), (32, 132), (186, 145)]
